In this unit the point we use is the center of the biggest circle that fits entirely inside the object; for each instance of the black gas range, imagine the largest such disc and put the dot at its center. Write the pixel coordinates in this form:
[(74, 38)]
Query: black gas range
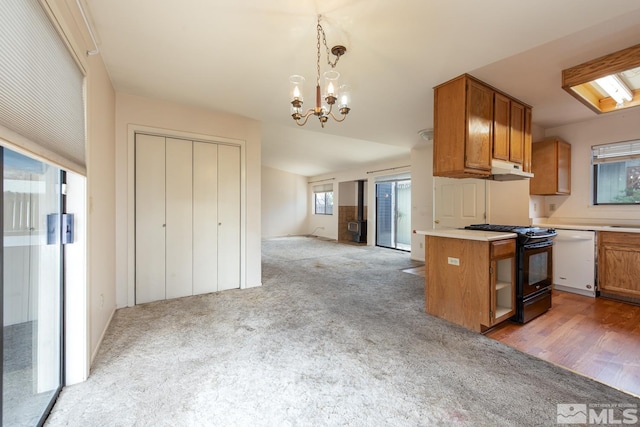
[(534, 266)]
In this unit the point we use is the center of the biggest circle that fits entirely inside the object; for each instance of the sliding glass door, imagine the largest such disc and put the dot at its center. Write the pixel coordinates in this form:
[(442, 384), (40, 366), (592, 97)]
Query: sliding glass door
[(31, 289), (393, 214)]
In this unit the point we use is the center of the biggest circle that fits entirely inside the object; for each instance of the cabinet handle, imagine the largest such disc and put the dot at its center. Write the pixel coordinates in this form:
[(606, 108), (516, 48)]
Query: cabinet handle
[(219, 223), (164, 225)]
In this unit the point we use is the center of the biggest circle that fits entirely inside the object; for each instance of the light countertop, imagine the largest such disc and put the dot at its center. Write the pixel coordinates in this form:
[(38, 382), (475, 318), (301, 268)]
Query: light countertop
[(591, 227), (455, 233)]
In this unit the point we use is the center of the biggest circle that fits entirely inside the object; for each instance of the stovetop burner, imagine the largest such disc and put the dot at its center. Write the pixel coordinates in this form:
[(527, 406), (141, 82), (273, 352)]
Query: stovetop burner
[(520, 230)]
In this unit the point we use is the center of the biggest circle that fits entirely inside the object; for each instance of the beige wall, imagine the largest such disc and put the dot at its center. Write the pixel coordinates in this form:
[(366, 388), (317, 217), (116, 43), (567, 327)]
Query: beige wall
[(101, 193), (578, 208), (285, 200), (421, 195), (140, 111)]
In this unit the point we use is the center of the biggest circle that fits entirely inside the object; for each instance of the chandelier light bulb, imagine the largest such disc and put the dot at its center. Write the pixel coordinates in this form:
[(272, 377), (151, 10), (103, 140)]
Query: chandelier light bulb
[(330, 89)]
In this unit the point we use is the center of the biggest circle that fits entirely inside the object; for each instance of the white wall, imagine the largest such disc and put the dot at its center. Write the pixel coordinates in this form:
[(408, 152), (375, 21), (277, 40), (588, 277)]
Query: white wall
[(327, 225), (285, 203), (101, 194), (135, 110), (578, 208), (508, 202), (421, 196)]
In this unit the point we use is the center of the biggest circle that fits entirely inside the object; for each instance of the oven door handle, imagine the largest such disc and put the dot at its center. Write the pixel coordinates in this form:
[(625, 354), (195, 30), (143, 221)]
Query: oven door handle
[(537, 245)]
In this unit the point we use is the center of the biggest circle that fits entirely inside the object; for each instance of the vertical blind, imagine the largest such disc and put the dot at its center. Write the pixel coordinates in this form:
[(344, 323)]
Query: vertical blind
[(41, 87)]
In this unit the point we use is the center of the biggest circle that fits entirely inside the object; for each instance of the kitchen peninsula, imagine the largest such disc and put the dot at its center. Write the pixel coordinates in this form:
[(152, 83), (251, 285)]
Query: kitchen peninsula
[(470, 276)]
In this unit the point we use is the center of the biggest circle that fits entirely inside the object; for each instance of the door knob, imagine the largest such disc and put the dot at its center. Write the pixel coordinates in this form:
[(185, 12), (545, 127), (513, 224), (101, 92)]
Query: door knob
[(437, 221)]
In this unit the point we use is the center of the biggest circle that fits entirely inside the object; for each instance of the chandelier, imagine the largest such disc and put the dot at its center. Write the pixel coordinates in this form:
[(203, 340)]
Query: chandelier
[(332, 92)]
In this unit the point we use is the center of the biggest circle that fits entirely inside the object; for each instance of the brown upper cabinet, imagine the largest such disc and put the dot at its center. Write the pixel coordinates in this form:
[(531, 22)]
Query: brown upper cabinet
[(475, 123), (551, 165)]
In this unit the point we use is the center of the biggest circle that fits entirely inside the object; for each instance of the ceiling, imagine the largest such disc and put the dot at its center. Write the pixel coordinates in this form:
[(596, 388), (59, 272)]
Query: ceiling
[(237, 56)]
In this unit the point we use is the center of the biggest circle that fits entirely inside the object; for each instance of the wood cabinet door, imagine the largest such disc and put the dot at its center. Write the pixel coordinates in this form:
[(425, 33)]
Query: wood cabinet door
[(479, 126), (619, 263), (526, 156), (501, 124), (516, 133), (544, 168), (620, 270)]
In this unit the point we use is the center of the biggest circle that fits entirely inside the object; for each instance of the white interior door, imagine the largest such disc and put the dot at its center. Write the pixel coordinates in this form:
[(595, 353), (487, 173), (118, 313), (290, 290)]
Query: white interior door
[(459, 202), (179, 214), (150, 218), (205, 218), (228, 217)]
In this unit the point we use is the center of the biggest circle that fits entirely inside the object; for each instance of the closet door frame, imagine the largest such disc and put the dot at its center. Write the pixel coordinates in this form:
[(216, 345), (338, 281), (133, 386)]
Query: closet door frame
[(132, 129)]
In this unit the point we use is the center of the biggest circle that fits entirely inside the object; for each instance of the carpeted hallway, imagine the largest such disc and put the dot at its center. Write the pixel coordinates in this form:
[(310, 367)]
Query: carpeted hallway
[(336, 336)]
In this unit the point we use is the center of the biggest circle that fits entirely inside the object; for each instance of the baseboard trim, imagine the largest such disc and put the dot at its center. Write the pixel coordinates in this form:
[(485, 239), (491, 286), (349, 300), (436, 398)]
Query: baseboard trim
[(104, 332)]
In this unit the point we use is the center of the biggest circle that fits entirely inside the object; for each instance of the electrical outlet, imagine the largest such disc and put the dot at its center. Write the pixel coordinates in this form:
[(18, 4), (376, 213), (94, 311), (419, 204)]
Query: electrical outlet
[(101, 300), (535, 207), (421, 245), (552, 207)]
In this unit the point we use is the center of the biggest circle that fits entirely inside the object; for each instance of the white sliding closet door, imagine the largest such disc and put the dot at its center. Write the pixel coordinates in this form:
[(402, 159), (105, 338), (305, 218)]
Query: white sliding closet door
[(228, 217), (205, 218), (179, 214), (150, 218), (187, 218)]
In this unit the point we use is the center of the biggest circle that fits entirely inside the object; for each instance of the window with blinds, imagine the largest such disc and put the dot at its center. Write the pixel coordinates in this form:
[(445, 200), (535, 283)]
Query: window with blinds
[(42, 108), (323, 199), (616, 173)]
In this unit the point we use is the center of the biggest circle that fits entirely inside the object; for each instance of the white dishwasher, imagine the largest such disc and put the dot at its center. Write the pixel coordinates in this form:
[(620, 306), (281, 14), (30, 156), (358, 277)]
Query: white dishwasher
[(574, 261)]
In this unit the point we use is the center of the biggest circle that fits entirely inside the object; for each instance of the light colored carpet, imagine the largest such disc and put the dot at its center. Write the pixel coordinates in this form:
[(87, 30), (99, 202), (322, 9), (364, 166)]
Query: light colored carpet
[(336, 336)]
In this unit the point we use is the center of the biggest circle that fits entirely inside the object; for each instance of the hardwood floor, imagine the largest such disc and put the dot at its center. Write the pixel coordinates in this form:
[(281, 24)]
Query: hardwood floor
[(595, 337)]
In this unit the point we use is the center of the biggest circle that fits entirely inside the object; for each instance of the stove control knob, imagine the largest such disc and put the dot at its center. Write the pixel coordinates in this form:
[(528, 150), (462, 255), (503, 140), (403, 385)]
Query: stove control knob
[(529, 233), (551, 230)]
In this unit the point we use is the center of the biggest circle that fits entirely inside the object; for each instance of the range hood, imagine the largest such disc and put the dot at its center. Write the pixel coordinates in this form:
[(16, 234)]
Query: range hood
[(506, 171)]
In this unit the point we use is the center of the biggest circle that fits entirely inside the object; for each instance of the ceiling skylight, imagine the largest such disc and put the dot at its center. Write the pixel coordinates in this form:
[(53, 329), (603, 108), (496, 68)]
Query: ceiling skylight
[(606, 84)]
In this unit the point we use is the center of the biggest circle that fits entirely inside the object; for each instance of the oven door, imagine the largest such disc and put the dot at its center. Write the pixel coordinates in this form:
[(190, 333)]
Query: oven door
[(537, 263)]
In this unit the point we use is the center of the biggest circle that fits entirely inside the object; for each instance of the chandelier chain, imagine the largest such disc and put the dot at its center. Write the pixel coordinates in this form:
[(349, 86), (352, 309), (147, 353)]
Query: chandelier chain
[(319, 28), (333, 64)]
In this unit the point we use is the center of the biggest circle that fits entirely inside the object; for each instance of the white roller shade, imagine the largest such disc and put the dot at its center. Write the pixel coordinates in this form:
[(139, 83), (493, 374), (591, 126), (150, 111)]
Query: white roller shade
[(616, 152), (41, 87), (322, 188)]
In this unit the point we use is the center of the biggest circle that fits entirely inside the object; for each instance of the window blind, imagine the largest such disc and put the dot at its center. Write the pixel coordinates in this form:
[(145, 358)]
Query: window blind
[(322, 188), (41, 87), (616, 152)]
